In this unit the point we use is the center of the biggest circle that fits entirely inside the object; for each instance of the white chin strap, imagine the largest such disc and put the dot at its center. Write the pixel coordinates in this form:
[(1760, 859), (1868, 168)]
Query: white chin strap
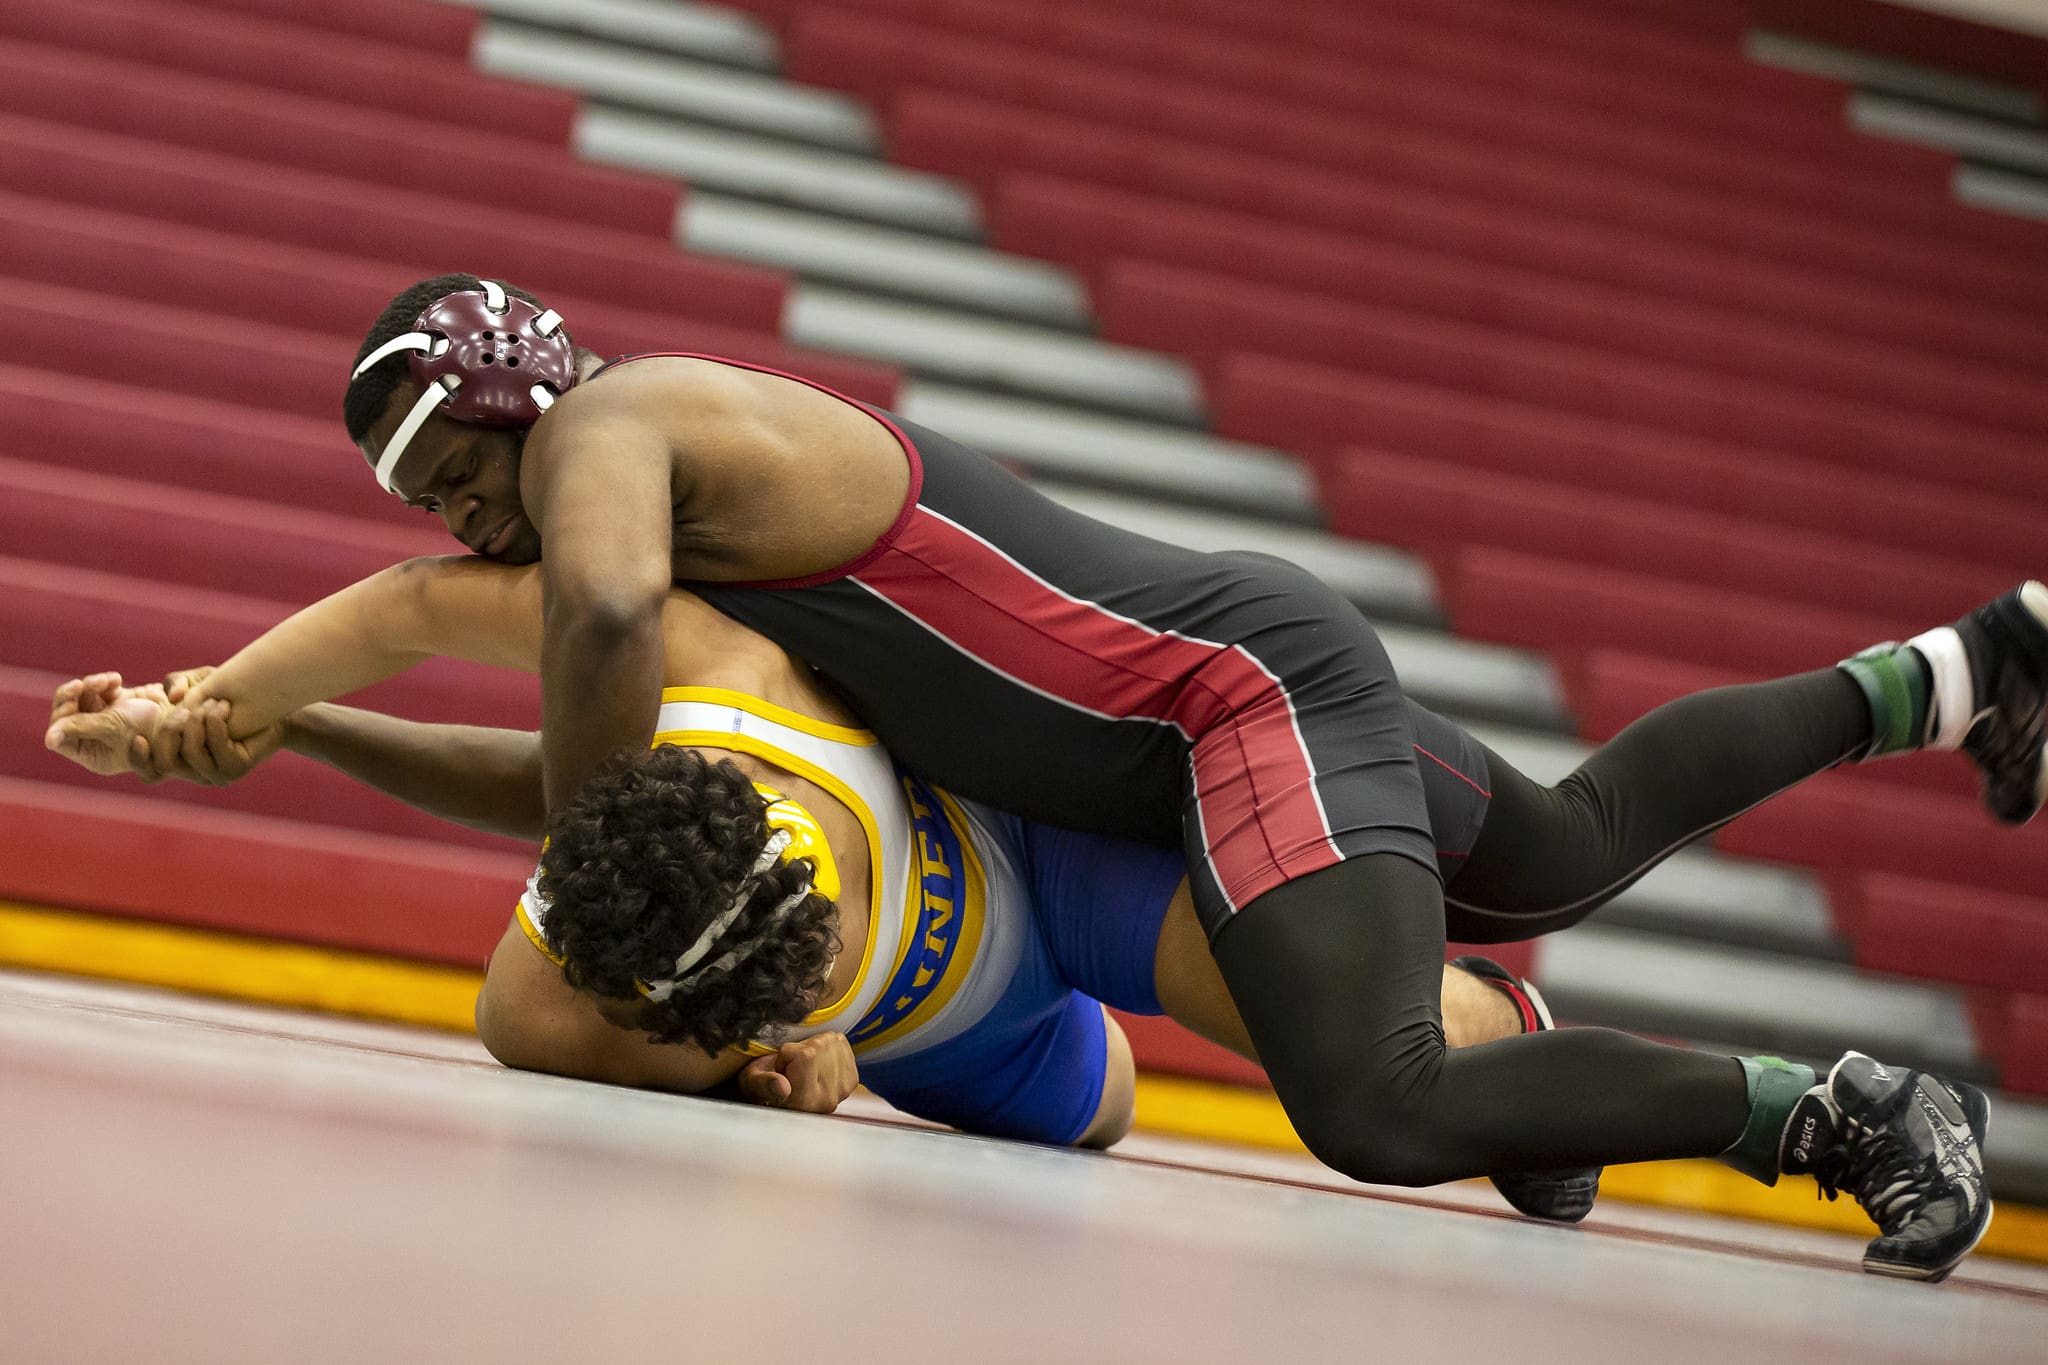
[(435, 394)]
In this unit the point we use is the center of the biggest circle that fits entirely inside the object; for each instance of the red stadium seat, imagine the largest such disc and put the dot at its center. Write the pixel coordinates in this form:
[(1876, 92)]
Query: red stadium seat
[(1846, 824), (1152, 306), (1410, 128), (1913, 35), (120, 854), (1797, 118), (203, 540), (70, 619), (1173, 309), (417, 231), (1316, 408), (448, 31), (197, 353), (139, 100), (1631, 295), (1426, 504), (266, 281), (1519, 599), (1963, 934), (2015, 1029), (140, 433), (291, 57), (978, 140)]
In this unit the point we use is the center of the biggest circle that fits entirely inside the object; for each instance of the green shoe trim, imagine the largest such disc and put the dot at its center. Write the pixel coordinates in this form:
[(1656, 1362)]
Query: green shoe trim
[(1775, 1086), (1895, 682)]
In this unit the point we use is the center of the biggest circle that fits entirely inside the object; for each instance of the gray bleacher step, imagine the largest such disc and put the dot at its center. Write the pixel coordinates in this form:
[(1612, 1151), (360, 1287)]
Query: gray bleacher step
[(1970, 136), (2001, 191), (1005, 356), (906, 264), (1117, 452), (1757, 1001), (1470, 681), (706, 32), (1697, 893), (728, 161), (1790, 53), (2016, 1149), (1382, 581), (765, 105)]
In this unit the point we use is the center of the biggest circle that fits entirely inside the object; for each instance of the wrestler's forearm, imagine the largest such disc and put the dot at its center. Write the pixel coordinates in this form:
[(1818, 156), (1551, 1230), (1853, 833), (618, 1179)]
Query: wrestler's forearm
[(484, 778), (341, 643), (455, 606), (600, 690)]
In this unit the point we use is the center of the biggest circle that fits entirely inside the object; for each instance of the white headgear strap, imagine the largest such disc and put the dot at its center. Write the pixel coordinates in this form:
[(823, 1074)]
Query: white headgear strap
[(430, 398), (771, 853), (433, 396)]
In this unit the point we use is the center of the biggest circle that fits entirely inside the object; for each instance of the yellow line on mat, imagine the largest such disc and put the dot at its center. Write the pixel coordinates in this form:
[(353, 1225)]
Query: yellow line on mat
[(208, 963), (334, 981)]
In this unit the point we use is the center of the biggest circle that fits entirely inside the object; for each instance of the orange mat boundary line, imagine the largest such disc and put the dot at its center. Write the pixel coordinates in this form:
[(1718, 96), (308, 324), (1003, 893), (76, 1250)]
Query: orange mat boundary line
[(389, 990)]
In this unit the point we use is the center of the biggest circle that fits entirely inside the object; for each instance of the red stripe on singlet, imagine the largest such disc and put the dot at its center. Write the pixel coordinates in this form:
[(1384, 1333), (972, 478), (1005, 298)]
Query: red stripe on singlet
[(1252, 771)]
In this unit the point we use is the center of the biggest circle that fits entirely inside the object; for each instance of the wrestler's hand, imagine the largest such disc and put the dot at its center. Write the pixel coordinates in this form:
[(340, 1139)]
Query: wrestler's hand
[(177, 684), (96, 722), (192, 742), (814, 1075)]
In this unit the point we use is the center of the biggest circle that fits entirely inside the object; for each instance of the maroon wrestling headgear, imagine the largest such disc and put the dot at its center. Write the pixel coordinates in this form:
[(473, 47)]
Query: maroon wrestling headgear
[(482, 356)]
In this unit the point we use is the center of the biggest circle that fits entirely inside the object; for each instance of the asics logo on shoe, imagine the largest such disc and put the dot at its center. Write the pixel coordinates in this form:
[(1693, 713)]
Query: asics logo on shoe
[(1956, 1145), (1809, 1133)]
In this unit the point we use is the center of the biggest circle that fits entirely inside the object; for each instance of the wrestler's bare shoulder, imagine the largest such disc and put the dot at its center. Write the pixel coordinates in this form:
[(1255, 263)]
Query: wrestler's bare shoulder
[(753, 458)]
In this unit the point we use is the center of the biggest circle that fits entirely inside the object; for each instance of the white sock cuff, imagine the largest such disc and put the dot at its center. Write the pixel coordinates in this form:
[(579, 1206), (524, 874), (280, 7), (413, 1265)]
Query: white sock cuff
[(1952, 708)]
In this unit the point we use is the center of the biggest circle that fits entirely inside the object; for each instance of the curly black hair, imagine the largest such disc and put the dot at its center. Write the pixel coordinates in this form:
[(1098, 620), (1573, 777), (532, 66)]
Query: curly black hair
[(367, 397), (654, 847)]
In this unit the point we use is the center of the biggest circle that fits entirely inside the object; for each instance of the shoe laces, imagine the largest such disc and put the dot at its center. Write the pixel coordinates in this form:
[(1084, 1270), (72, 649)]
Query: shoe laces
[(1886, 1177)]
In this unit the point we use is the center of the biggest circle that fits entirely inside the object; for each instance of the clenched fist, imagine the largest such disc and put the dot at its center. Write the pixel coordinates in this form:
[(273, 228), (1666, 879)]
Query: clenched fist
[(814, 1075)]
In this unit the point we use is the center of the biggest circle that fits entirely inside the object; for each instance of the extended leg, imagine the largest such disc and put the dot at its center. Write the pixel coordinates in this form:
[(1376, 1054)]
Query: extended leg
[(1548, 856), (1336, 975)]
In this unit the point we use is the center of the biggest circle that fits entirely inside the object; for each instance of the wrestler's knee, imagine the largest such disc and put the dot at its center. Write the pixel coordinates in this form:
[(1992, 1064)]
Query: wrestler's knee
[(1379, 1137), (1375, 1120)]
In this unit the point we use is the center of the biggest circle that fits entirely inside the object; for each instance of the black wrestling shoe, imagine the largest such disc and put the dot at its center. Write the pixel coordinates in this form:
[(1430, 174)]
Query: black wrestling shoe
[(2000, 721), (1559, 1196), (1980, 685), (1908, 1146)]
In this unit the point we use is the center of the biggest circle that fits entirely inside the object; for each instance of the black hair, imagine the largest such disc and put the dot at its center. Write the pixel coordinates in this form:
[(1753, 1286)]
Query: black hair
[(651, 851), (368, 396)]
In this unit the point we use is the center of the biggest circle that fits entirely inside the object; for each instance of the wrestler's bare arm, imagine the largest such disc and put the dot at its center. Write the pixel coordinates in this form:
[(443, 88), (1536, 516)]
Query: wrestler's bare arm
[(680, 469), (530, 1018), (456, 607), (484, 778), (602, 498)]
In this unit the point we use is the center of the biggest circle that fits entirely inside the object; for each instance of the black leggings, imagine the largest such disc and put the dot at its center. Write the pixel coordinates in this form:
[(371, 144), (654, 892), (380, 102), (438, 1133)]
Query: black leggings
[(1337, 973)]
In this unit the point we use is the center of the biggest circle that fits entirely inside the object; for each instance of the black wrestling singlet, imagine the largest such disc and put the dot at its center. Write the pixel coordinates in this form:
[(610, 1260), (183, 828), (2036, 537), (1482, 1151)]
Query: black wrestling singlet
[(1023, 655)]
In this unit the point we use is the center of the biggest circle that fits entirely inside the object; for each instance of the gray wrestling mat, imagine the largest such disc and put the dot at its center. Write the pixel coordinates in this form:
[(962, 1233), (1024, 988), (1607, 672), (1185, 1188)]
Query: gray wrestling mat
[(186, 1181)]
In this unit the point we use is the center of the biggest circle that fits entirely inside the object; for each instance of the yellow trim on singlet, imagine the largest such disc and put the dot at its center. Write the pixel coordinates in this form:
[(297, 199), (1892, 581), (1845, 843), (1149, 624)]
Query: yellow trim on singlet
[(973, 909), (807, 839), (781, 758), (768, 710), (533, 936)]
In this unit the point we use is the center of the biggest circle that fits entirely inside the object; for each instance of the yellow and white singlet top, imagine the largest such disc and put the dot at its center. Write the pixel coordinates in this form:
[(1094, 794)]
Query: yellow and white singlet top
[(949, 906)]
